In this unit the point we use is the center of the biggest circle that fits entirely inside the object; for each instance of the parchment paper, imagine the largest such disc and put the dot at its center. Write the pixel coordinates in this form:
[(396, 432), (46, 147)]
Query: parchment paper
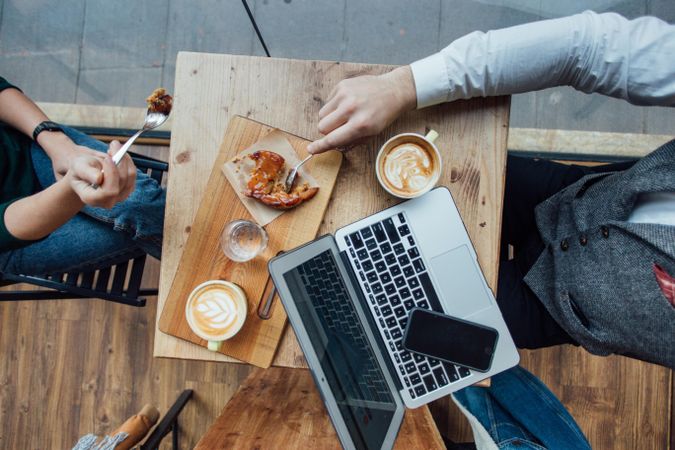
[(238, 172)]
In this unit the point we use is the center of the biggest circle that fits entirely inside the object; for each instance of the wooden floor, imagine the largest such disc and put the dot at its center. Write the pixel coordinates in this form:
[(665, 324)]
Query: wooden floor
[(72, 367)]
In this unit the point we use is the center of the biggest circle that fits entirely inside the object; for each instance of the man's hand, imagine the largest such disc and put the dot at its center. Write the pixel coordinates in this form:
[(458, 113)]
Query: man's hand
[(364, 106), (115, 183)]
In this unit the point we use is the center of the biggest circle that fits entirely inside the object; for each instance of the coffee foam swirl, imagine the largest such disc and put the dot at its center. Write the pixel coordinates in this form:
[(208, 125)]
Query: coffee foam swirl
[(214, 310), (408, 168)]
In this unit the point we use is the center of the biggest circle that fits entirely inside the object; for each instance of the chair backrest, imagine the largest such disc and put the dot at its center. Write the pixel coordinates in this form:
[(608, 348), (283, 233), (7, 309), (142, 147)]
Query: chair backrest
[(151, 166)]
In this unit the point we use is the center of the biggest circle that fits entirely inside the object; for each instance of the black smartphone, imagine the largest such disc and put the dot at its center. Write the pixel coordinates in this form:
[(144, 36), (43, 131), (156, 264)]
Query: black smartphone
[(450, 339)]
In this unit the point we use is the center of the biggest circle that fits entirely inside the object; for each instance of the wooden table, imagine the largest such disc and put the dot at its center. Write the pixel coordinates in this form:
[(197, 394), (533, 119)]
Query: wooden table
[(281, 408), (288, 94)]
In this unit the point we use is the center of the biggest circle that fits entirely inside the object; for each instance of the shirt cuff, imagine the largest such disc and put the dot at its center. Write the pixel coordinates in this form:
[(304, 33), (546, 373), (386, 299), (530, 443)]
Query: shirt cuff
[(431, 80)]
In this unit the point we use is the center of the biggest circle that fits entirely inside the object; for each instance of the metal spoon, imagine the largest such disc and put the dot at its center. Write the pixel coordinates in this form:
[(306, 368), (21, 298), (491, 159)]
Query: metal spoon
[(292, 175), (153, 119)]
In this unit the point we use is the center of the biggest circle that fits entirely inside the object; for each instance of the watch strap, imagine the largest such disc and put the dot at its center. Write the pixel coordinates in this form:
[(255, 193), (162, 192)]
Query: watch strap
[(46, 126)]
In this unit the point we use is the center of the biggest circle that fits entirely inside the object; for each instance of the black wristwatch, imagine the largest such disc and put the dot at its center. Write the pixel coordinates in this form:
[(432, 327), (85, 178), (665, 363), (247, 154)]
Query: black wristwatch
[(46, 126)]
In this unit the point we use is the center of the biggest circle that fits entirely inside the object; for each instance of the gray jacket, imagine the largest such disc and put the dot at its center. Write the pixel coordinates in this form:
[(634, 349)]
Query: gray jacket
[(596, 274)]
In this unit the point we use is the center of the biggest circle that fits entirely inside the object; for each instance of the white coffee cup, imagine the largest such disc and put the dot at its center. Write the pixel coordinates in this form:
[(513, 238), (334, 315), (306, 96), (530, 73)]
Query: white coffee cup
[(216, 310), (409, 165)]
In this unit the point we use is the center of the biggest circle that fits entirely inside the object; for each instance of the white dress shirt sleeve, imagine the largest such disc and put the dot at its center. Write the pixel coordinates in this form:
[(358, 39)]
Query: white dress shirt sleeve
[(604, 53)]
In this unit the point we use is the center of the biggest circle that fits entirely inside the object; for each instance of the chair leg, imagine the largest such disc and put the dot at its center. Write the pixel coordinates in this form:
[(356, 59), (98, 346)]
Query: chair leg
[(168, 424)]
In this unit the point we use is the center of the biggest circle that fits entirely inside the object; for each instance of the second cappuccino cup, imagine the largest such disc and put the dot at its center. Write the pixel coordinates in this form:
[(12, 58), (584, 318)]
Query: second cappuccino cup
[(409, 165), (216, 311)]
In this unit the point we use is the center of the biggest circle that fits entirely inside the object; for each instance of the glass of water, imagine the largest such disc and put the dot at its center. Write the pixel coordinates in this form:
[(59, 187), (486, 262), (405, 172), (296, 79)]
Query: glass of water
[(243, 240)]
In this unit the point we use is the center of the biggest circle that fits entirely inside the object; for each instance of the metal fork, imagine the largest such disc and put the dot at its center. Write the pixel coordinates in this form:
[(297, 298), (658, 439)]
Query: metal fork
[(290, 179)]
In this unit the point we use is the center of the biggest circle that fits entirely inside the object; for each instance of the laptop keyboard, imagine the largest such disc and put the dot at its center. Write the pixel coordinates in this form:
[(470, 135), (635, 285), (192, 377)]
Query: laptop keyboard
[(390, 269), (331, 303)]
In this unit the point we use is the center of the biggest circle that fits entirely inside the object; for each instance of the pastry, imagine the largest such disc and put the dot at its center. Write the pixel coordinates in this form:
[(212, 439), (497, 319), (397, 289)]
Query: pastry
[(159, 101), (267, 182)]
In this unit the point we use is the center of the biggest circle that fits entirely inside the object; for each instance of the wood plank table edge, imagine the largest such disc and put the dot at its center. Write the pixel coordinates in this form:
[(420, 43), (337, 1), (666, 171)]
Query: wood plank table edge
[(301, 411)]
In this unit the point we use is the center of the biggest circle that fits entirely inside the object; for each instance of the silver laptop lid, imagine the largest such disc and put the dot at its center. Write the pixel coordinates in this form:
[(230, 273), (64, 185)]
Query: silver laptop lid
[(348, 368)]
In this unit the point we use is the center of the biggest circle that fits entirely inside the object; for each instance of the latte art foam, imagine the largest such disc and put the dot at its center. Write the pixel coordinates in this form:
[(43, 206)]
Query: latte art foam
[(408, 168), (215, 311)]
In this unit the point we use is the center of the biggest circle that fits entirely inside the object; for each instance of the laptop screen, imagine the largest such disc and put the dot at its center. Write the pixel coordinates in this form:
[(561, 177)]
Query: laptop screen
[(348, 362)]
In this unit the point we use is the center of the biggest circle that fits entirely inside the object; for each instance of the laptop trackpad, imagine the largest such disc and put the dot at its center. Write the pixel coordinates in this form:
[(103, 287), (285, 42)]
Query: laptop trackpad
[(460, 282)]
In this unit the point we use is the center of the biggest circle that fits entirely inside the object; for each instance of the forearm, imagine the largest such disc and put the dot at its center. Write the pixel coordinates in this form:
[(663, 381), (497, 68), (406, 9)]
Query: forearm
[(593, 53), (35, 217), (19, 111)]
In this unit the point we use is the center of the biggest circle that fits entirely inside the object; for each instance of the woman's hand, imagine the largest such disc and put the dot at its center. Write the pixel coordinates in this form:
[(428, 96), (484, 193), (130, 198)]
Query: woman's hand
[(364, 106), (115, 183), (62, 150)]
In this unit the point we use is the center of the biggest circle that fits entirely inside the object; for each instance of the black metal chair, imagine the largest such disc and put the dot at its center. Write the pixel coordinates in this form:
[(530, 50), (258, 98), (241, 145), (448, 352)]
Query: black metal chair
[(168, 424), (120, 282)]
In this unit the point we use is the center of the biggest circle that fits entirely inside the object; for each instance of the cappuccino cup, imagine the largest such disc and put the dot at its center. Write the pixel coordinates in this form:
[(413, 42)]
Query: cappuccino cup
[(216, 311), (409, 164)]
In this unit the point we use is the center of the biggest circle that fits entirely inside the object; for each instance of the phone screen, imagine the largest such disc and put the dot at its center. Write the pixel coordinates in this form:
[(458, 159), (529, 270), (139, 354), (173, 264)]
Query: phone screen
[(447, 338)]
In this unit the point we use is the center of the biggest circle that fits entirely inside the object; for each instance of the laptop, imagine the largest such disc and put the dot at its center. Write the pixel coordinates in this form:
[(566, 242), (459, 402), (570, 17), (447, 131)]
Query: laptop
[(348, 298)]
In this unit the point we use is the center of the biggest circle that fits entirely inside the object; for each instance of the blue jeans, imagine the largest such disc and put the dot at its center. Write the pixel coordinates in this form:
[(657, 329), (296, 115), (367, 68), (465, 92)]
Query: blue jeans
[(95, 237), (520, 412)]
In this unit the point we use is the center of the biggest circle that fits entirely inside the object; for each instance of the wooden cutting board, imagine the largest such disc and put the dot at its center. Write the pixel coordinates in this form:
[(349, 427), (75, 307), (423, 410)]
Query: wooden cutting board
[(203, 259)]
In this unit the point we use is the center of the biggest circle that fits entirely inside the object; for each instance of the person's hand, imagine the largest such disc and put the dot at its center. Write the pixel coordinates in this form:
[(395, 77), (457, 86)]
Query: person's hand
[(62, 150), (115, 183), (364, 106), (62, 161)]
